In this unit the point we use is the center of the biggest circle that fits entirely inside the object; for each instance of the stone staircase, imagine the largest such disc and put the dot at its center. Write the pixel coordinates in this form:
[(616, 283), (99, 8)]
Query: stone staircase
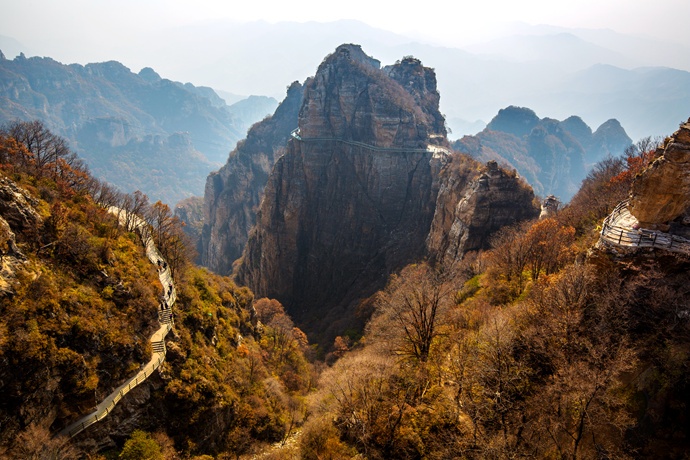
[(165, 318)]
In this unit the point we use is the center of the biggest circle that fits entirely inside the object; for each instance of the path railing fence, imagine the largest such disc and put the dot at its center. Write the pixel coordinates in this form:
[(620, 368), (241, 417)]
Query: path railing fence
[(632, 237), (295, 134), (100, 415), (165, 318)]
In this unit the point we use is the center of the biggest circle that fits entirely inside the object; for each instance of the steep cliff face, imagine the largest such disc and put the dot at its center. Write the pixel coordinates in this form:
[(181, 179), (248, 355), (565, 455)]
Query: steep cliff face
[(353, 198), (338, 217), (233, 193), (17, 215), (473, 202), (662, 192)]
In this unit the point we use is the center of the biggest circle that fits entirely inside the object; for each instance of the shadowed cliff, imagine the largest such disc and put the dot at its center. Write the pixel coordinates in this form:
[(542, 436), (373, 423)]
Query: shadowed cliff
[(233, 193), (354, 196)]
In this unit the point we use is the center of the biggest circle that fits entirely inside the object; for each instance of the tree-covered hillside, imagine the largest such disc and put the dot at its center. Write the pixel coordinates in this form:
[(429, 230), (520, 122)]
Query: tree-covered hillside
[(78, 302)]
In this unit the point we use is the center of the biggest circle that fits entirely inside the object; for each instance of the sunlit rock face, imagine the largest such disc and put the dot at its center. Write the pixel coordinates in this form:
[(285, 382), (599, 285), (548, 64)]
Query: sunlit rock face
[(661, 193), (472, 204)]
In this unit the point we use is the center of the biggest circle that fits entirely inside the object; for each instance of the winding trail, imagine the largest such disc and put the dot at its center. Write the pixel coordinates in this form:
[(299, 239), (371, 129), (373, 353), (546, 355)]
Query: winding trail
[(622, 229), (135, 223)]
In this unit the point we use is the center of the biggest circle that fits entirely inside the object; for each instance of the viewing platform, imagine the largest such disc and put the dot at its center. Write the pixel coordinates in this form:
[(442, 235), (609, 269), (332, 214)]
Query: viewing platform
[(622, 229)]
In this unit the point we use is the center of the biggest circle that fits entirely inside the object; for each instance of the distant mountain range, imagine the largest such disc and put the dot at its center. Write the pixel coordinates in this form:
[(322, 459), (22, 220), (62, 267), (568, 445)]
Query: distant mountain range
[(137, 131), (553, 156), (598, 74)]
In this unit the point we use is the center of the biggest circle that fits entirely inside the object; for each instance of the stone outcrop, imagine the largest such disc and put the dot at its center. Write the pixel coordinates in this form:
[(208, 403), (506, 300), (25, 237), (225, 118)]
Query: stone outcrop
[(233, 193), (17, 207), (472, 205), (18, 215), (354, 196), (549, 207), (661, 193)]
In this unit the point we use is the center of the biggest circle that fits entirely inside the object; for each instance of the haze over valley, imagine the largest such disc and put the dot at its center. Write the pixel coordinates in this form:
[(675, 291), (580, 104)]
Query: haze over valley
[(368, 231)]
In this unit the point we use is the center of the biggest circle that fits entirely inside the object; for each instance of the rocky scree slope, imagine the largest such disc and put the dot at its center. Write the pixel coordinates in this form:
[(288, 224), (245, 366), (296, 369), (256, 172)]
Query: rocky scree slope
[(337, 218)]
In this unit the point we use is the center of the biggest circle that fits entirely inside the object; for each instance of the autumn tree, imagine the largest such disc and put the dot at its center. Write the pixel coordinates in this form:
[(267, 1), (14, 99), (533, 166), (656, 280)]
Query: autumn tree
[(46, 148), (12, 152), (141, 446), (280, 330), (577, 413), (410, 308), (160, 218), (37, 443), (549, 246), (510, 257), (636, 157)]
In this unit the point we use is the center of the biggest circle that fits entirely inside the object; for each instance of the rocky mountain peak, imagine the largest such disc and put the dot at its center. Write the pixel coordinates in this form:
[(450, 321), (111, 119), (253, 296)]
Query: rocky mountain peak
[(578, 128), (350, 52), (420, 82), (149, 75), (350, 98), (518, 121)]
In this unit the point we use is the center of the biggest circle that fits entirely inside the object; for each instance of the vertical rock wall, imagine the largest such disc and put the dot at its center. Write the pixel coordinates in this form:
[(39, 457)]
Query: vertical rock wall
[(233, 193)]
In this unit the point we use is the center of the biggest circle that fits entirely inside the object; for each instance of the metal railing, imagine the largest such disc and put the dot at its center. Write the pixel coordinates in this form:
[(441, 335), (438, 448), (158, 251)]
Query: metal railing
[(100, 414), (643, 238), (295, 135), (165, 318)]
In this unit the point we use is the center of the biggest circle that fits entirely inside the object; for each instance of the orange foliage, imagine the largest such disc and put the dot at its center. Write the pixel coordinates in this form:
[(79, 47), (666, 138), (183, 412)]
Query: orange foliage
[(636, 162)]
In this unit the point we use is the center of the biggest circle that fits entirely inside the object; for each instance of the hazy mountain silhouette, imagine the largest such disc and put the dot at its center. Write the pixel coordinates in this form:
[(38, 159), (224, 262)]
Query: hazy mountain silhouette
[(138, 131), (529, 70), (535, 67)]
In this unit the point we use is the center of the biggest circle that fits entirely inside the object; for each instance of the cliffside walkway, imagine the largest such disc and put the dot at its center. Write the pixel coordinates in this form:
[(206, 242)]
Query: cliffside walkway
[(135, 223), (620, 228), (434, 149)]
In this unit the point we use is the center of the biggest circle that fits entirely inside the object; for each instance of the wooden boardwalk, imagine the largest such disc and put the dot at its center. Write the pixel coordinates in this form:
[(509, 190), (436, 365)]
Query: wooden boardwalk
[(436, 150), (137, 224), (621, 229)]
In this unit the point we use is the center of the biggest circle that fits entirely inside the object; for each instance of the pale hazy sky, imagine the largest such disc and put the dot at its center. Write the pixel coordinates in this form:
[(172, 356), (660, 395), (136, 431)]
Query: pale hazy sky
[(448, 21)]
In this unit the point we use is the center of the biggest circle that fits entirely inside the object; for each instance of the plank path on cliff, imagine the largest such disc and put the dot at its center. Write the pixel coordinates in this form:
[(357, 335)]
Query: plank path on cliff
[(622, 229), (434, 149), (105, 407)]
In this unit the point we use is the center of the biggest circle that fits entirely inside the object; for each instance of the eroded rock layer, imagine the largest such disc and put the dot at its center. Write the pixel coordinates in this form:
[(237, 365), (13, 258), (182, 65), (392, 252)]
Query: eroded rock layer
[(661, 193)]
